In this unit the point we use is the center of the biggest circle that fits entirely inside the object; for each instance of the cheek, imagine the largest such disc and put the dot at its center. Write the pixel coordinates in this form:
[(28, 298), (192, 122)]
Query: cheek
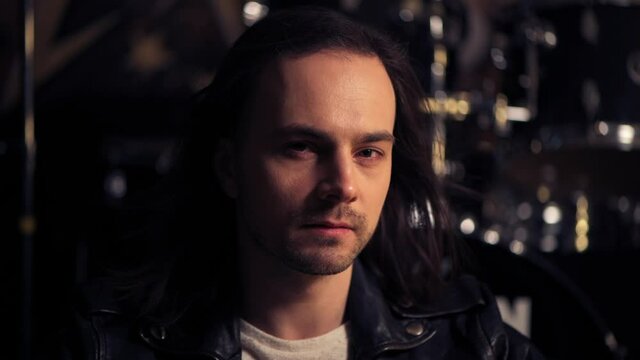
[(289, 185), (378, 194), (277, 188)]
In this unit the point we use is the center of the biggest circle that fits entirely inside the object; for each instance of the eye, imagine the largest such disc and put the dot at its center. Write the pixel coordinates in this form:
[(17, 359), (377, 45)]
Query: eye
[(298, 149), (369, 153), (297, 146)]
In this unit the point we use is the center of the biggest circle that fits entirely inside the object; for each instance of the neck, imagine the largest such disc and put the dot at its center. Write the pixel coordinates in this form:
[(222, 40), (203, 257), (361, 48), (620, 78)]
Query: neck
[(288, 304)]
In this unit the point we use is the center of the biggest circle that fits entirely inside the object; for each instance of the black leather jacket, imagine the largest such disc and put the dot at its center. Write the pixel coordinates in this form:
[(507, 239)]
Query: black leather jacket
[(463, 324)]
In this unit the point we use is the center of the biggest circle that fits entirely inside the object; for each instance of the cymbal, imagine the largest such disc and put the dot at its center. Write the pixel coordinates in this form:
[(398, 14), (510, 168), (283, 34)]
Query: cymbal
[(598, 172)]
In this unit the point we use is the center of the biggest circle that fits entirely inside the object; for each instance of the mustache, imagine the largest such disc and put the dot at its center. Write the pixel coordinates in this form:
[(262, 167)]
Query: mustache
[(346, 214)]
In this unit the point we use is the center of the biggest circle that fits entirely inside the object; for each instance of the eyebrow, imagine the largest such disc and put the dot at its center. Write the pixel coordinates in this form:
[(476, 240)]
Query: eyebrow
[(310, 132)]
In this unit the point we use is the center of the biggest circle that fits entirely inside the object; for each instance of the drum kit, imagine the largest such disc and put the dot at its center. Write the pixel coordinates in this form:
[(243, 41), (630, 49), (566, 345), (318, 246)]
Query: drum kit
[(553, 111), (537, 108)]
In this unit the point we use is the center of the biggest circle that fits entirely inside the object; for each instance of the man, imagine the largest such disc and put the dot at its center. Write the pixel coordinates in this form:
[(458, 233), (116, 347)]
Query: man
[(330, 235)]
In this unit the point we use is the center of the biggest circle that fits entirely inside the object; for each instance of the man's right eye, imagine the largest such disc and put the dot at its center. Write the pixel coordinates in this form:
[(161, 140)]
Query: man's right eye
[(298, 149), (297, 146)]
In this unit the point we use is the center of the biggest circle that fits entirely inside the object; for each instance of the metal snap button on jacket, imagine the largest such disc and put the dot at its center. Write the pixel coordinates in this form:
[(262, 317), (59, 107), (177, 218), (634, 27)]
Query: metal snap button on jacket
[(414, 328)]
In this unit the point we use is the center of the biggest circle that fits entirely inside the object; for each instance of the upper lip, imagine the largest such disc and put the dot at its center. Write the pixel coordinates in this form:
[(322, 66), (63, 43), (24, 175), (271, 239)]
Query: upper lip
[(331, 224)]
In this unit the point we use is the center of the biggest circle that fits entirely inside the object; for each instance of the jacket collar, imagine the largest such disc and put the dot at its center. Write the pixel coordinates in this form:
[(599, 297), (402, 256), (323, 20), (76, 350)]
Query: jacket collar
[(379, 326), (376, 326)]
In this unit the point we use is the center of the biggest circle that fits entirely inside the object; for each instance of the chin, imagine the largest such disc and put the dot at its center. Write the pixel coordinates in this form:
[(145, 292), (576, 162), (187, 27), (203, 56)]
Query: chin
[(320, 265)]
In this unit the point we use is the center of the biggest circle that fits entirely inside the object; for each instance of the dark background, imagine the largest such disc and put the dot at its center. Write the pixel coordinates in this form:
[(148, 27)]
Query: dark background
[(112, 85)]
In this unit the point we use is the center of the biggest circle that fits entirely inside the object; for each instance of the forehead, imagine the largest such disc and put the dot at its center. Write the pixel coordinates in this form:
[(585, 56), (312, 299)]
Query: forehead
[(333, 88)]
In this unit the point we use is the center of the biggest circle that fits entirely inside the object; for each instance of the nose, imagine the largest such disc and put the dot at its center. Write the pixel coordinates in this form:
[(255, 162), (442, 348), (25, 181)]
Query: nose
[(337, 183)]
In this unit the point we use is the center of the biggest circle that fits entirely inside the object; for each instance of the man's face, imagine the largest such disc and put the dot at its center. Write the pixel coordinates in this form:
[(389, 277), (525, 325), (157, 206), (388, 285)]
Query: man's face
[(315, 163)]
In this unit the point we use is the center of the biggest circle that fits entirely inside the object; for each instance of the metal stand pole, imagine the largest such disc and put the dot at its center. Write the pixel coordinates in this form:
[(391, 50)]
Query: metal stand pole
[(27, 220)]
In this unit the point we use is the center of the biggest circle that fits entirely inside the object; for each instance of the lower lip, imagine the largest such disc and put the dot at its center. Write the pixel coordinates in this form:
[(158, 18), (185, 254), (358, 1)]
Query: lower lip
[(328, 231)]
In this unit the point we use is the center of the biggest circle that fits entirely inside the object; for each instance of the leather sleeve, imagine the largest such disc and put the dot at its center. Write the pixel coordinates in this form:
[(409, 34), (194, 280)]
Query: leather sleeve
[(506, 342)]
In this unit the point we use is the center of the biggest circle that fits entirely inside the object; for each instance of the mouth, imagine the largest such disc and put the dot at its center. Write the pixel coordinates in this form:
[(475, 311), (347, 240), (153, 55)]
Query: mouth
[(329, 229), (329, 225)]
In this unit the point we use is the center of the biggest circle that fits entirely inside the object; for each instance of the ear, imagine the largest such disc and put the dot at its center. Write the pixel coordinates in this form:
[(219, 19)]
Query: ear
[(225, 167)]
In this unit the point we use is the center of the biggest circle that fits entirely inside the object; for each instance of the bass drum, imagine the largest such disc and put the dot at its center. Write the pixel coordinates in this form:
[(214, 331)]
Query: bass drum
[(540, 301)]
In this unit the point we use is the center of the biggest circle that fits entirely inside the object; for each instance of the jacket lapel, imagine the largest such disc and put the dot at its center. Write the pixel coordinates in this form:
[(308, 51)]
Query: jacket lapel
[(374, 328), (378, 326)]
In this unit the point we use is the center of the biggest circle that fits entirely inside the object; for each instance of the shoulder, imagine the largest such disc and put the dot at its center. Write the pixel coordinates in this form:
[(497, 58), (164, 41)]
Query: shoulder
[(466, 312), (96, 303), (487, 324), (98, 327)]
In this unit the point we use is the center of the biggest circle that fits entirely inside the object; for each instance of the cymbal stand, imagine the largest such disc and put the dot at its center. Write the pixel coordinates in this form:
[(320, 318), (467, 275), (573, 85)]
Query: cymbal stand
[(438, 78), (27, 222)]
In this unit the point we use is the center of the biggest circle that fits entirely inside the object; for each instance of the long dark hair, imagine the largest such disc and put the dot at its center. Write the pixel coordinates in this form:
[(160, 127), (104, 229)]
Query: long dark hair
[(194, 257)]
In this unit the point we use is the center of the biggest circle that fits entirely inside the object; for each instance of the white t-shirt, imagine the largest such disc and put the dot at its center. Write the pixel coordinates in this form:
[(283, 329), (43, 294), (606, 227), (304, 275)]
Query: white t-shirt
[(258, 345)]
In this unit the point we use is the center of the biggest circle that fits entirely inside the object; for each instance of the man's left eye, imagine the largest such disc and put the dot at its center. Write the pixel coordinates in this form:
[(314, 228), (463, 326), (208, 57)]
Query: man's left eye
[(369, 153)]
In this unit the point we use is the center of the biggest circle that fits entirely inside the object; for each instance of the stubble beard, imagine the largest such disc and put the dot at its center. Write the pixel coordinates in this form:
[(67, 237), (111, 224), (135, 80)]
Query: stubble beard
[(327, 256), (324, 261)]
